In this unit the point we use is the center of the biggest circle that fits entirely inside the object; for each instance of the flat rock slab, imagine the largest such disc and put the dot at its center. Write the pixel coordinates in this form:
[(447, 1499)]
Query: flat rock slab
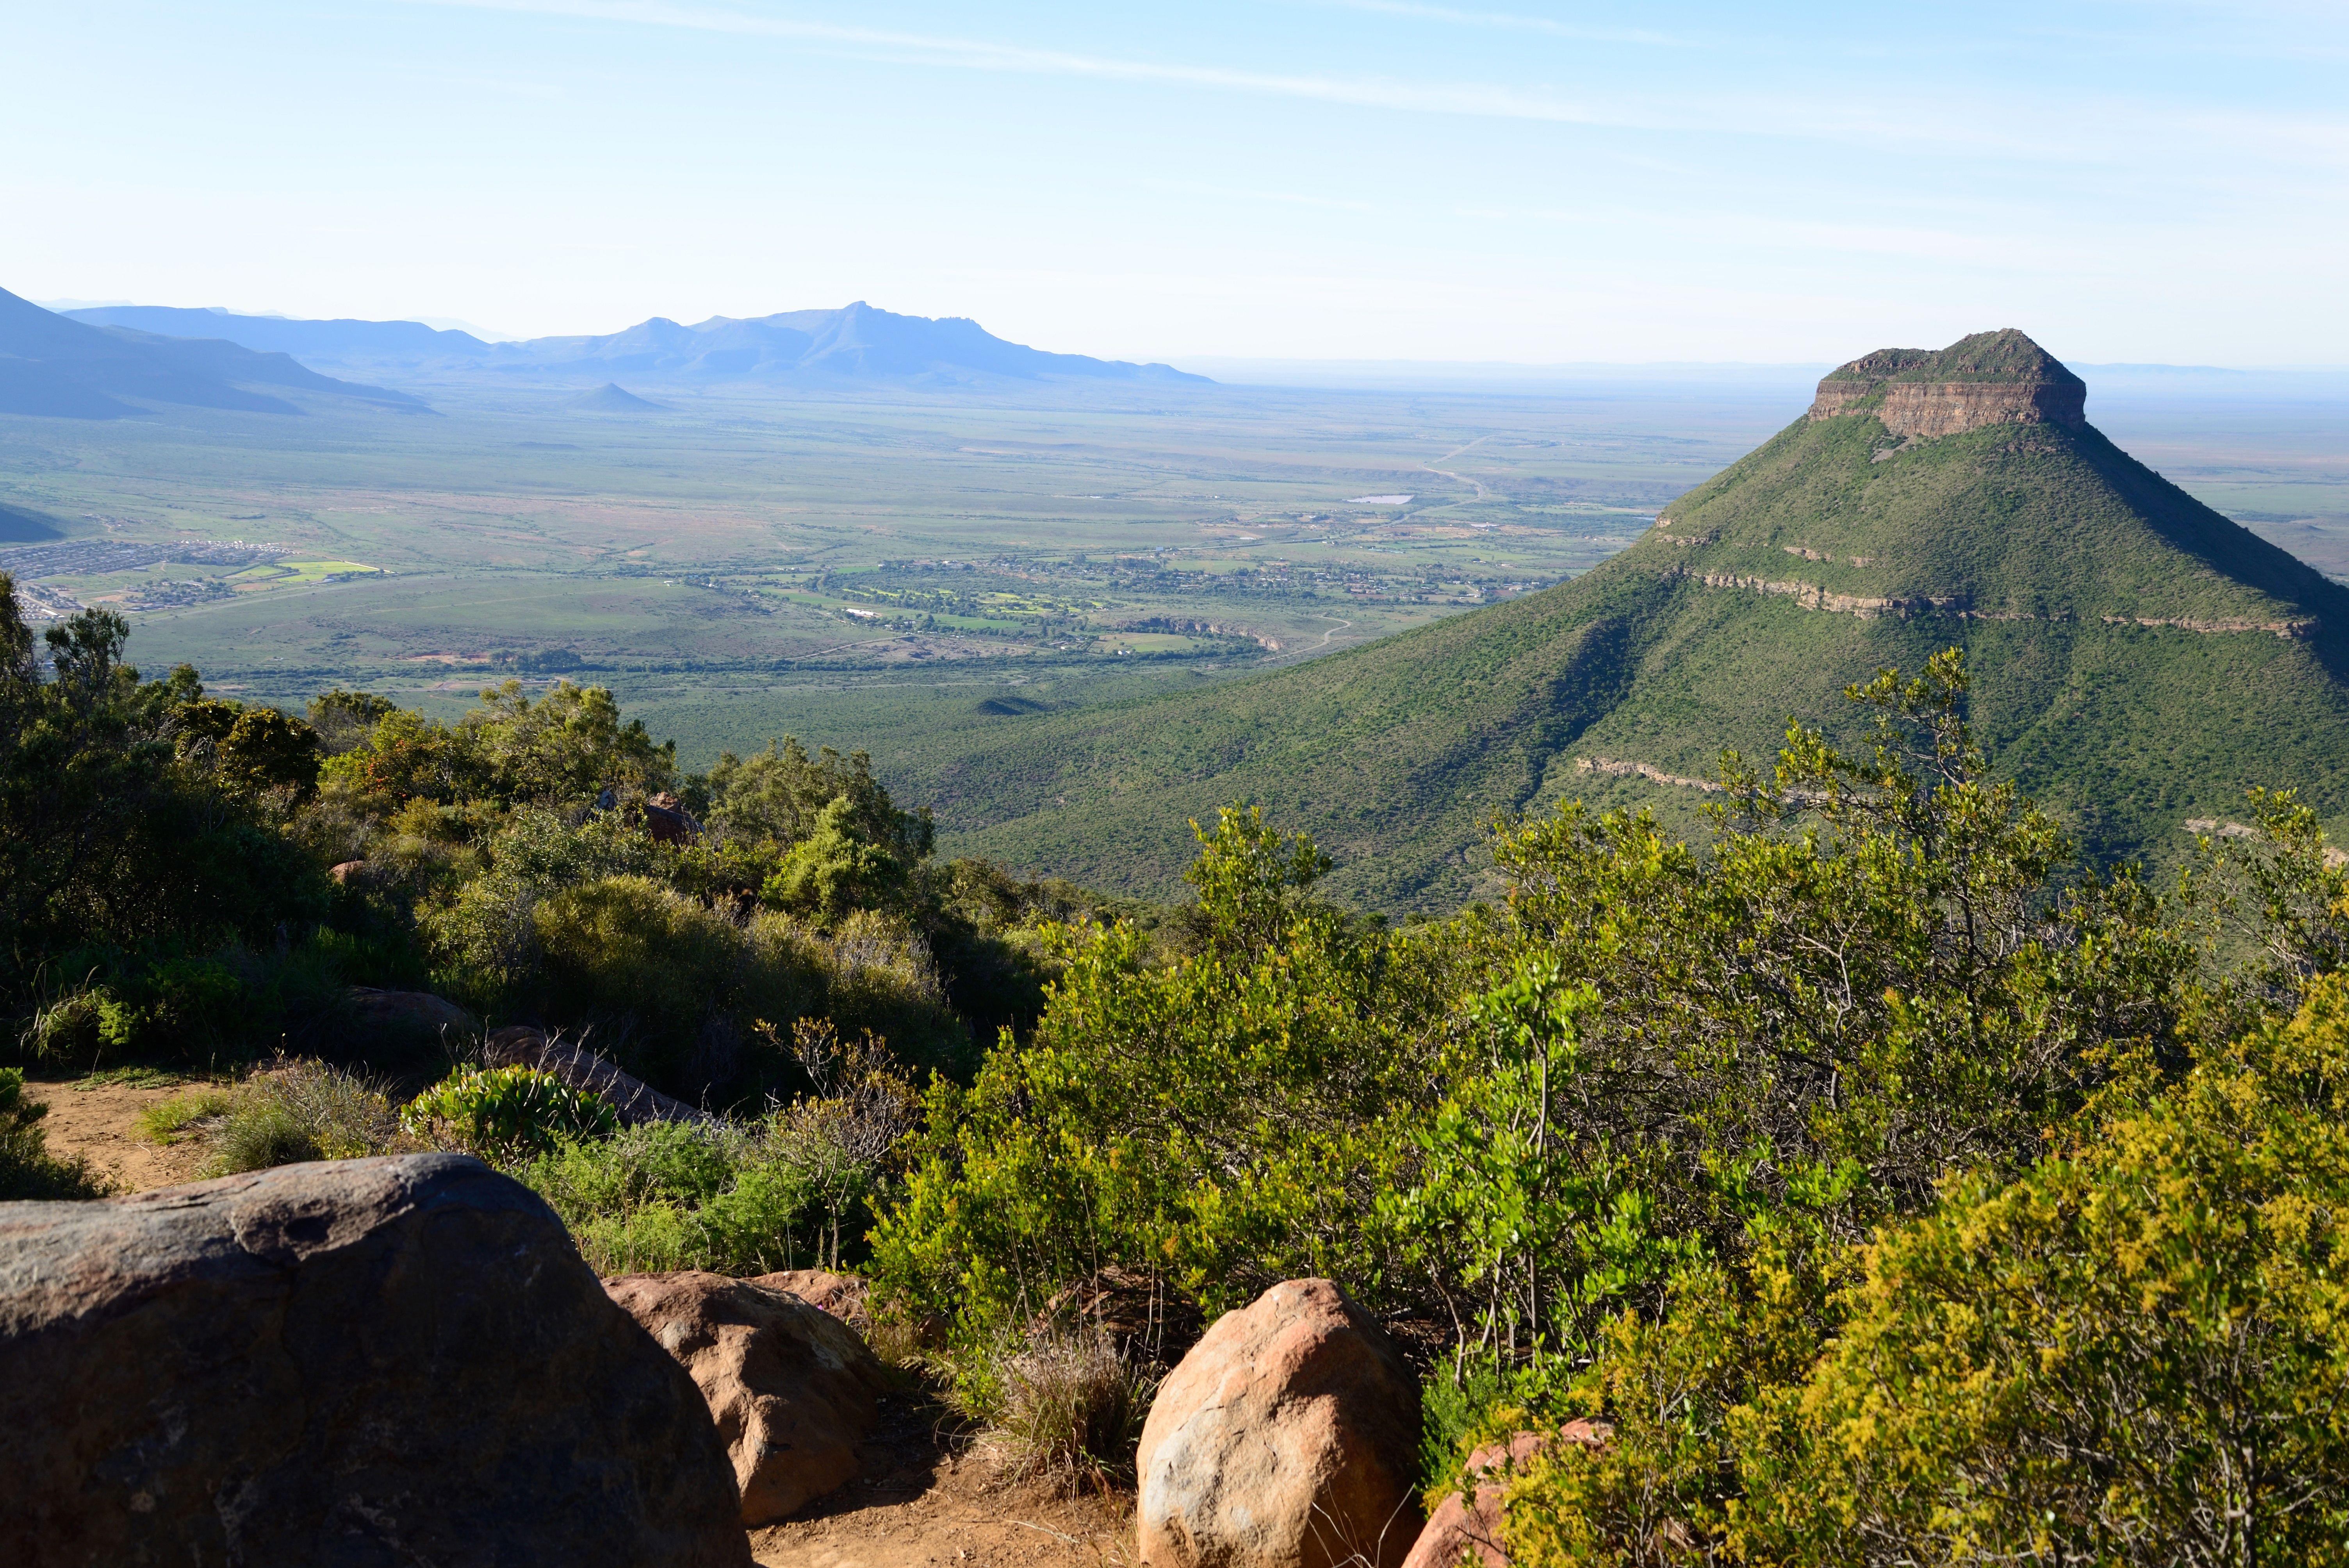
[(343, 1365)]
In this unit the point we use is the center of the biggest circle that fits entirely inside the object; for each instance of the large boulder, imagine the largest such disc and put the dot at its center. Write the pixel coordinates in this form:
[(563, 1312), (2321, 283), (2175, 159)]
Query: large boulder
[(792, 1388), (1460, 1526), (358, 1363), (1288, 1437)]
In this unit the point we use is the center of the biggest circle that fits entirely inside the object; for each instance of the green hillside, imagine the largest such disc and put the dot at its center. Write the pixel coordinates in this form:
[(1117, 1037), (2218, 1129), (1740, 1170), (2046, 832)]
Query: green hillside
[(2141, 660)]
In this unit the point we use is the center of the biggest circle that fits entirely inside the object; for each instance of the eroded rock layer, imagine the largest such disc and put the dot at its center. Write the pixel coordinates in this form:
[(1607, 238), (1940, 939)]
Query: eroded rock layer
[(1990, 378)]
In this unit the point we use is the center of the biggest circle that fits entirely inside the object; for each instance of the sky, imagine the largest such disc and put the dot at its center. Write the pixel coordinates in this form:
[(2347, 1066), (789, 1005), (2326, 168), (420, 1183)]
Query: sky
[(1323, 180)]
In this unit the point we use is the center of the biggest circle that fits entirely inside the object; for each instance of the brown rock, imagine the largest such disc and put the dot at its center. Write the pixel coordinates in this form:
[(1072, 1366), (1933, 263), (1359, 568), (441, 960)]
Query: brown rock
[(1990, 378), (340, 1364), (521, 1044), (845, 1296), (1458, 1528), (794, 1391), (666, 821), (1288, 1438)]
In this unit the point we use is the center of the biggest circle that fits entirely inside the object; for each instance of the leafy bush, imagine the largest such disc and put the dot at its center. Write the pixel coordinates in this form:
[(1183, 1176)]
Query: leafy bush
[(651, 968), (2137, 1352), (27, 1170), (666, 1195), (504, 1113), (1217, 1123)]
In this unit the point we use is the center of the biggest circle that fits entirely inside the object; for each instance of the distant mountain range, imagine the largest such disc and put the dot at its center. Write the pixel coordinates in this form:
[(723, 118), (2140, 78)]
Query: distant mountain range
[(2139, 660), (857, 343), (50, 365)]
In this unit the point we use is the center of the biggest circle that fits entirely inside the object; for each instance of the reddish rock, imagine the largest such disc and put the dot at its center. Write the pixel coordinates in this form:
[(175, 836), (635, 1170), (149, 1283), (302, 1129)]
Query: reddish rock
[(1460, 1527), (1288, 1437), (339, 1365), (666, 821), (792, 1391)]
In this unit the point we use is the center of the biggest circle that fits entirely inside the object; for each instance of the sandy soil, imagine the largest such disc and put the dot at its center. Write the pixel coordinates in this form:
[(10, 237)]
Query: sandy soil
[(99, 1121), (926, 1500)]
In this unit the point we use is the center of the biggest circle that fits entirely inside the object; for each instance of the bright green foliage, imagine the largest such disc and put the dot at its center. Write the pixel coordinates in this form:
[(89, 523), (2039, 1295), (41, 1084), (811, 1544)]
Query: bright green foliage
[(835, 870), (2136, 1352), (777, 796), (1532, 1230), (1218, 1122), (506, 1112), (566, 745)]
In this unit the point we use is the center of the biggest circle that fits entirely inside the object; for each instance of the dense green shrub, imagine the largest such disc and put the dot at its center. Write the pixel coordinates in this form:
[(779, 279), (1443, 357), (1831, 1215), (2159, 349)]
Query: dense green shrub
[(666, 1195), (1220, 1122), (504, 1113), (652, 969)]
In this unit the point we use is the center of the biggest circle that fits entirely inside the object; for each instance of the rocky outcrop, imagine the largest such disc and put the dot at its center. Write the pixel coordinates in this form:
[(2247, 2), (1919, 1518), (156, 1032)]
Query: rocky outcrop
[(360, 1363), (521, 1044), (1614, 768), (1460, 1526), (1287, 1439), (791, 1388), (1990, 378)]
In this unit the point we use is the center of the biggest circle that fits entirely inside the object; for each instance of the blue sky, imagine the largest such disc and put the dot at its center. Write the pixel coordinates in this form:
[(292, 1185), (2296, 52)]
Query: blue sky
[(1302, 178)]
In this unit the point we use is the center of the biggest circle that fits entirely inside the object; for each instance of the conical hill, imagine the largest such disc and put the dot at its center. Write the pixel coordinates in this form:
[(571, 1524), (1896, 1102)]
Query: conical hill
[(2139, 660)]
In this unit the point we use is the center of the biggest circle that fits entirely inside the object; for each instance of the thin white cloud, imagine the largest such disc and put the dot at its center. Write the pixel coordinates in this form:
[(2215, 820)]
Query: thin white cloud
[(1510, 22), (2098, 134), (1482, 100)]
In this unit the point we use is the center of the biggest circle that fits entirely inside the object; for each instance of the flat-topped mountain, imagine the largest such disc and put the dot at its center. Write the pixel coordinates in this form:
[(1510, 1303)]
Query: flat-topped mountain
[(1990, 378), (854, 343), (2141, 660)]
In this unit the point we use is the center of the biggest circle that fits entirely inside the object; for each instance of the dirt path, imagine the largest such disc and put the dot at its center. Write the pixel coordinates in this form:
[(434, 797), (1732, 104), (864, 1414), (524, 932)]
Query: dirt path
[(100, 1122), (926, 1500)]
